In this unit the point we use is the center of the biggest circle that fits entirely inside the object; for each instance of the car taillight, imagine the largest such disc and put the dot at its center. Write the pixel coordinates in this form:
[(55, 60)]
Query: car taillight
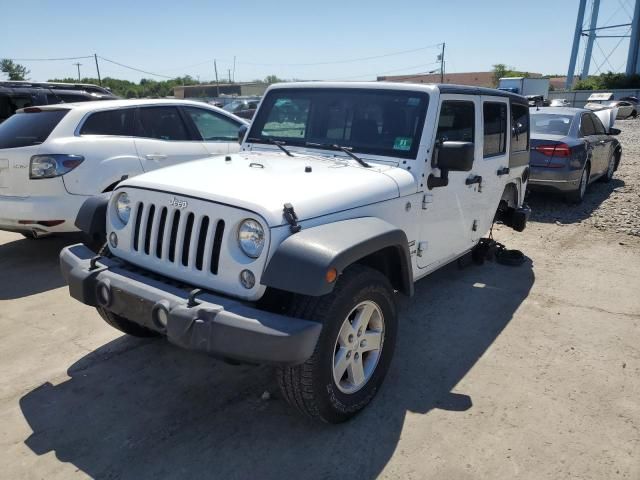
[(52, 165), (554, 150)]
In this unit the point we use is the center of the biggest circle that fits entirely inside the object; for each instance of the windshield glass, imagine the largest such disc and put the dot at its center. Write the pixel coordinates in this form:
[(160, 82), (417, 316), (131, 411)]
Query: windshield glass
[(233, 106), (550, 123), (29, 128), (380, 122)]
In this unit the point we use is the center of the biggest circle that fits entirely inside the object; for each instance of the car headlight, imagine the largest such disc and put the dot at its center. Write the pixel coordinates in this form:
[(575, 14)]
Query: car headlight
[(123, 207), (251, 237)]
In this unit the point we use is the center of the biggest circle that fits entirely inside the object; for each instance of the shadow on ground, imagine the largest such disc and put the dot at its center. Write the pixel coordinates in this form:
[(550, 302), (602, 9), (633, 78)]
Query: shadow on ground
[(29, 266), (145, 409), (550, 207)]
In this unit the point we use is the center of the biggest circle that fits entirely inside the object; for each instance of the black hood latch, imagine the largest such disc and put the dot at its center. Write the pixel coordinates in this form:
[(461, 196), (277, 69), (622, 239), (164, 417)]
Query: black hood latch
[(291, 218)]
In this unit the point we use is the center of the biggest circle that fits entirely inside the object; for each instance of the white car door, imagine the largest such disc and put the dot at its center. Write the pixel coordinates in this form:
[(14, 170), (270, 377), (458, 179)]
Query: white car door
[(446, 224), (164, 139), (219, 132)]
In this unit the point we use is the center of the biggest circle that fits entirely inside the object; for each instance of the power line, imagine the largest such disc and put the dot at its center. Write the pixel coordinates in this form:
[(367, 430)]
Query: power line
[(387, 71), (134, 68), (47, 59)]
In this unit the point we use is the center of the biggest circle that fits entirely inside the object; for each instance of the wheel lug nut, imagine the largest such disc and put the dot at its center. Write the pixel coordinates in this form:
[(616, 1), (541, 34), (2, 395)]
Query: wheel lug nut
[(356, 356), (363, 343), (360, 332), (350, 338), (349, 354)]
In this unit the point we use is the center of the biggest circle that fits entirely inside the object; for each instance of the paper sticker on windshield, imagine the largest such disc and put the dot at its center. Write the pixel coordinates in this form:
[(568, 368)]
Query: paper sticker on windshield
[(413, 102), (402, 143)]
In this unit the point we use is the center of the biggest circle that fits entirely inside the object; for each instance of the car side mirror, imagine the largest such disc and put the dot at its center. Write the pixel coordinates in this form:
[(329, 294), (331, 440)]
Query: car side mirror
[(614, 131), (451, 156), (242, 131)]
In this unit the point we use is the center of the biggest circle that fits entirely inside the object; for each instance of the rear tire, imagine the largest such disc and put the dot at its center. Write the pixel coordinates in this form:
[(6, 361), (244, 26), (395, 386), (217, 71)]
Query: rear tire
[(578, 194), (124, 325), (611, 168), (354, 350)]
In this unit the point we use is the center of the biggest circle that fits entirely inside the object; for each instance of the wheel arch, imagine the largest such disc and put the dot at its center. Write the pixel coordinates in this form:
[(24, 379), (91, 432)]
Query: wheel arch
[(300, 263)]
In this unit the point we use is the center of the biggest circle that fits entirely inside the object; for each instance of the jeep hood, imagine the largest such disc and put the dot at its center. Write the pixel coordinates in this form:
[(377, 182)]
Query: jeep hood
[(263, 182)]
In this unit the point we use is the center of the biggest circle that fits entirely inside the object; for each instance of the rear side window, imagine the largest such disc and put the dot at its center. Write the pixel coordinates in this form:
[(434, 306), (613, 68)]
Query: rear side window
[(597, 124), (495, 128), (586, 126), (110, 122), (163, 123), (213, 127), (519, 127), (457, 121), (24, 129)]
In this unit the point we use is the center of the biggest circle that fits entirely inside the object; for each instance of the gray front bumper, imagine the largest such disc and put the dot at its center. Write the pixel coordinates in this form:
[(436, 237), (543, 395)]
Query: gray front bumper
[(211, 323)]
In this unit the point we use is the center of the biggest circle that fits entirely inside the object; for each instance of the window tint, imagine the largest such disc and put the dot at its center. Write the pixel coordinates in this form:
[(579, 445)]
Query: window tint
[(163, 123), (495, 128), (457, 121), (551, 123), (23, 129), (519, 128), (213, 127), (111, 122), (383, 122), (599, 128), (586, 126)]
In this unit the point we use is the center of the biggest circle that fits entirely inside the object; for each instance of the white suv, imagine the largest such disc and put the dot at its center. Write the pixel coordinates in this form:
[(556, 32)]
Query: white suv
[(53, 157), (291, 251)]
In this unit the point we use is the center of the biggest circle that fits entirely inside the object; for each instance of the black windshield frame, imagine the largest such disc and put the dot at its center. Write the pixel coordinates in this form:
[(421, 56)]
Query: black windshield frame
[(318, 98)]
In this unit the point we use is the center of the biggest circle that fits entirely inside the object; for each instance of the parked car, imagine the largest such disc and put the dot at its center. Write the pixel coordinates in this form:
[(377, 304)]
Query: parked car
[(623, 108), (243, 108), (54, 157), (15, 95), (570, 148), (293, 248), (559, 102)]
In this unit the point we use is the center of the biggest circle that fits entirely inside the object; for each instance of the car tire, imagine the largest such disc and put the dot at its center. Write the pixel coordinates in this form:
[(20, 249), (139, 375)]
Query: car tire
[(611, 168), (578, 194), (124, 325), (345, 372), (31, 236)]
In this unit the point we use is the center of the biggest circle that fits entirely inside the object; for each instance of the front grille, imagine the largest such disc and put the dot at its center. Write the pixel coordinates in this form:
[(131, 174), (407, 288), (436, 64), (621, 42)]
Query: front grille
[(178, 236)]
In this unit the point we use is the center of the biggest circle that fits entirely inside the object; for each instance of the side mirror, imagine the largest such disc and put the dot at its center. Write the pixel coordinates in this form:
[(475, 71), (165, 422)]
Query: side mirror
[(450, 156), (614, 131), (242, 131)]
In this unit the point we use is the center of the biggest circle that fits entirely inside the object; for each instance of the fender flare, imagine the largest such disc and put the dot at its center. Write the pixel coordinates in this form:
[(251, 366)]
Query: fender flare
[(92, 216), (300, 263)]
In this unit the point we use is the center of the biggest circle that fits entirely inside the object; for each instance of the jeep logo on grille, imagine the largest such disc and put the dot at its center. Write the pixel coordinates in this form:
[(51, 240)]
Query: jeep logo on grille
[(174, 202)]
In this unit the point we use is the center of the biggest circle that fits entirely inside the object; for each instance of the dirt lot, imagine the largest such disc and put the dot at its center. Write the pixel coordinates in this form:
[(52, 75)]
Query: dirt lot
[(501, 372)]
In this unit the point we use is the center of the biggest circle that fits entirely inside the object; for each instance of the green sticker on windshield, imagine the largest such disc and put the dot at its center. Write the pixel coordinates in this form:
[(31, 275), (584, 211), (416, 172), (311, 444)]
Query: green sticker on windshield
[(402, 143)]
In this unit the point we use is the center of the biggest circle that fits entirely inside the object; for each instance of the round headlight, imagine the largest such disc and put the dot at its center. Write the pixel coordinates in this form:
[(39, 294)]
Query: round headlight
[(251, 238), (123, 207)]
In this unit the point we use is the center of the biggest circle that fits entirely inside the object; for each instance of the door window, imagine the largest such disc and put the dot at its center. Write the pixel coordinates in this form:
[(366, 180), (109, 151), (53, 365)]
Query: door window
[(110, 122), (457, 121), (519, 128), (213, 127), (597, 124), (586, 126), (163, 123), (495, 128)]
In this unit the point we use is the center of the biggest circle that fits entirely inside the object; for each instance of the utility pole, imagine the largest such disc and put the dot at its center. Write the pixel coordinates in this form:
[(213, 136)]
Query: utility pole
[(595, 8), (98, 69), (442, 64), (78, 65), (229, 70), (215, 66), (234, 69)]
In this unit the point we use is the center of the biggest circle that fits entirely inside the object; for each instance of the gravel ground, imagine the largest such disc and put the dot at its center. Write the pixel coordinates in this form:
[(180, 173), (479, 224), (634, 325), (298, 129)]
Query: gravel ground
[(612, 207)]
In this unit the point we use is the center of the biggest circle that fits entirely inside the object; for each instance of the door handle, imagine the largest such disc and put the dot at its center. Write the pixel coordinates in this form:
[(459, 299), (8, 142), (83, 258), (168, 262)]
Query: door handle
[(155, 156), (503, 171), (473, 179)]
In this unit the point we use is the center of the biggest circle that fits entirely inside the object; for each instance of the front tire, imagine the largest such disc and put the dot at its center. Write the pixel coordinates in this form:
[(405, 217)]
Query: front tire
[(124, 325), (354, 350)]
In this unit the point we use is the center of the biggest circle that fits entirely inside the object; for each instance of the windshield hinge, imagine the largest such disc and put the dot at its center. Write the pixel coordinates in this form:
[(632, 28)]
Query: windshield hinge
[(291, 218), (426, 200)]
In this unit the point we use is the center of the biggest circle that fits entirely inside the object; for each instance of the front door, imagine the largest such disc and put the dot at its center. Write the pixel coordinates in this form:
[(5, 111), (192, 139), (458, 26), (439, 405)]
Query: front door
[(163, 138), (219, 132), (446, 224)]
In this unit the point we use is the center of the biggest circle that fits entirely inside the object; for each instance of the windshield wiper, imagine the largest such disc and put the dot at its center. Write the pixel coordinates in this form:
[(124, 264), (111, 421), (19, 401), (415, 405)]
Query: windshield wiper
[(271, 141), (346, 150)]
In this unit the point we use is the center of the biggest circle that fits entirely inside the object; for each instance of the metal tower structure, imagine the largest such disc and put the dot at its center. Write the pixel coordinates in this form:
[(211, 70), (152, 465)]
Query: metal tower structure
[(593, 31)]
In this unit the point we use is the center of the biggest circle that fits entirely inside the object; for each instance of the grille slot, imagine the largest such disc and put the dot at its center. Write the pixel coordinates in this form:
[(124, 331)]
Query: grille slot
[(181, 237)]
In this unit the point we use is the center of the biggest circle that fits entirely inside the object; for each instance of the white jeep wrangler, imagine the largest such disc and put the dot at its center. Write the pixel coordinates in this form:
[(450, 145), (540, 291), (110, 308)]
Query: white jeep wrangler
[(291, 252)]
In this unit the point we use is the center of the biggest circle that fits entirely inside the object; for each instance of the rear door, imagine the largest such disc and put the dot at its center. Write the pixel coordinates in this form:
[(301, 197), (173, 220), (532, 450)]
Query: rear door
[(219, 133), (164, 139), (20, 139), (605, 143), (595, 145)]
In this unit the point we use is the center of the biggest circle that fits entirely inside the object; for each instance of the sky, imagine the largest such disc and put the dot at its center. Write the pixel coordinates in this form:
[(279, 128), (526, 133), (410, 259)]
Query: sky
[(284, 37)]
